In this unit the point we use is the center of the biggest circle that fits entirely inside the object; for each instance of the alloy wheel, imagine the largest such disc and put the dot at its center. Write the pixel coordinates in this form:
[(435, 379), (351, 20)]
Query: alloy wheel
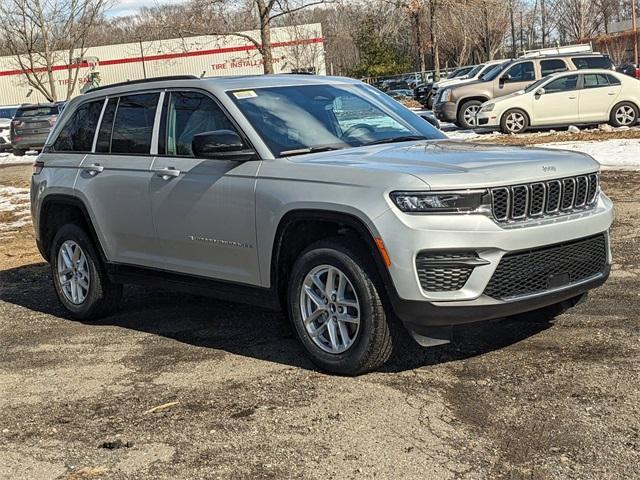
[(515, 122), (73, 272), (625, 115), (470, 115), (330, 309)]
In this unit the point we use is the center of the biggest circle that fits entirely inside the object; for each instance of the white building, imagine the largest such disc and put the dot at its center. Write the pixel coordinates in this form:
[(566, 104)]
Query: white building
[(296, 48)]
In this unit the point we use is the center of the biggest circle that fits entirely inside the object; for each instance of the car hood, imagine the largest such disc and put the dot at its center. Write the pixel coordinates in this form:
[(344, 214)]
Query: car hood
[(5, 122), (448, 164)]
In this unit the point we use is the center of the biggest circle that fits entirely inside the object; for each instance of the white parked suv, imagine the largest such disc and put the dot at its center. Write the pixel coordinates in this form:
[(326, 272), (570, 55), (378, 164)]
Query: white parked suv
[(320, 196), (566, 98)]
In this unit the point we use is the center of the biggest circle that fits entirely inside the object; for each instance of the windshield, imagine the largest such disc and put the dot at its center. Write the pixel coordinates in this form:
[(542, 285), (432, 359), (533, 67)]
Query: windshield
[(535, 85), (304, 118), (36, 112), (463, 71), (495, 71), (8, 112), (474, 70)]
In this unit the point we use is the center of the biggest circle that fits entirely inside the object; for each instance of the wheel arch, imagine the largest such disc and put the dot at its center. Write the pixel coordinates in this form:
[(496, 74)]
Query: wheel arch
[(70, 209), (300, 228), (521, 109), (632, 102), (462, 101)]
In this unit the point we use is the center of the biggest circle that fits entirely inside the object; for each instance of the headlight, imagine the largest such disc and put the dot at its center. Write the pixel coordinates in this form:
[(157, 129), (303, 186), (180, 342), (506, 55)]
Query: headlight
[(467, 201), (446, 95), (488, 107)]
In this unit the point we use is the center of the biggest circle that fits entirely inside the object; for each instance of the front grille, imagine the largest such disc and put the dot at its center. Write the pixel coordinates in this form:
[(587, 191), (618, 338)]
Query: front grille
[(444, 271), (535, 271), (518, 203)]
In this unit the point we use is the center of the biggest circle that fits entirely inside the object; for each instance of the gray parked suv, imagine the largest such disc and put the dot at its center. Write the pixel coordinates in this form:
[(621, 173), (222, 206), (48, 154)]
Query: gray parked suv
[(318, 195), (31, 125)]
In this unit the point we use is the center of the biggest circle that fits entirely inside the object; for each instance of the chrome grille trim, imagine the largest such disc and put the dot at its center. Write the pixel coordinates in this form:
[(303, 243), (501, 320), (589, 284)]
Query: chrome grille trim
[(562, 196)]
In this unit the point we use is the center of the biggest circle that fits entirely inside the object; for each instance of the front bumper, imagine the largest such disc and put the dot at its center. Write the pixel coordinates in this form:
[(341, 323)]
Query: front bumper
[(445, 111), (488, 119), (405, 236)]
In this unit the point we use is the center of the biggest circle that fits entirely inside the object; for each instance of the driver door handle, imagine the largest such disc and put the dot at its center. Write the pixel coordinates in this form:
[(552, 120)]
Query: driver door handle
[(93, 169), (168, 173)]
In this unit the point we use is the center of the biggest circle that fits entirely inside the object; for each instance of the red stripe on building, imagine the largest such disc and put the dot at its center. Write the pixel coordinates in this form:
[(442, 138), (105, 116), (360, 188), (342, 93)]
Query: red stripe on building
[(168, 56)]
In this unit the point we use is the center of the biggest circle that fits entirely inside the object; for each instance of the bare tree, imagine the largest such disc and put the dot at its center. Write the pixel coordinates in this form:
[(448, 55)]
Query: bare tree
[(219, 17), (43, 34)]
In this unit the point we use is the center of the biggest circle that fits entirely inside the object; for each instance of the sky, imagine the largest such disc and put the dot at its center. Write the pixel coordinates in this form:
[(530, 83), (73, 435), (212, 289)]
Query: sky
[(129, 7)]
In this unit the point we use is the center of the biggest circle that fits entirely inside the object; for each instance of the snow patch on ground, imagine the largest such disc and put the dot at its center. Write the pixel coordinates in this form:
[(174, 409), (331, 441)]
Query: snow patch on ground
[(11, 159), (612, 154), (14, 209)]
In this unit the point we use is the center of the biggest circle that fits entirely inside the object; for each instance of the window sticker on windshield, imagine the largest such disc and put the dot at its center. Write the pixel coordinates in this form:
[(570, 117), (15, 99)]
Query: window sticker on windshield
[(245, 94)]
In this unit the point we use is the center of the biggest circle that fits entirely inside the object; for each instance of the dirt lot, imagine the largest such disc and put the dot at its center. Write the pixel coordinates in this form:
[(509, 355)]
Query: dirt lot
[(506, 400)]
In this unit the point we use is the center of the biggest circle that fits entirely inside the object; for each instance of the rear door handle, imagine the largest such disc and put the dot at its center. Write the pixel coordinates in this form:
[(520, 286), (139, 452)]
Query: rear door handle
[(94, 169), (572, 98), (611, 94), (168, 173)]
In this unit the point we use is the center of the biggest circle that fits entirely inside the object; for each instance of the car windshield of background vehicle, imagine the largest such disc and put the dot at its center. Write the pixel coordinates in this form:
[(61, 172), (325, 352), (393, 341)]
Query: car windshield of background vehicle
[(535, 85), (36, 112), (495, 71), (475, 70), (7, 112), (303, 119)]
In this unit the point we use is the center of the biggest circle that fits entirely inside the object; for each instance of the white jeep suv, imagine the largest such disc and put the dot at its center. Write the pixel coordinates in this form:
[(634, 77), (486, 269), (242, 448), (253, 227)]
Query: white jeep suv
[(320, 196)]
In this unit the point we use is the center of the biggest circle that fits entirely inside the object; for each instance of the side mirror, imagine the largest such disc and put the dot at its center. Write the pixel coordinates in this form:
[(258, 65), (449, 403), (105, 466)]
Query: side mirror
[(506, 78), (220, 145), (539, 92)]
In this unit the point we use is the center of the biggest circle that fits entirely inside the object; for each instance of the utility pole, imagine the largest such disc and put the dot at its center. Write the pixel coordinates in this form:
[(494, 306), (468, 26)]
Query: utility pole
[(634, 27), (543, 23)]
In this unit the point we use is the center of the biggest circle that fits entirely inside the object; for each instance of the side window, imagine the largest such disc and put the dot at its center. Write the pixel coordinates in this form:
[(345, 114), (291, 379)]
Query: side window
[(133, 124), (103, 145), (551, 66), (186, 115), (562, 84), (522, 72), (77, 134), (595, 80), (591, 62), (613, 80)]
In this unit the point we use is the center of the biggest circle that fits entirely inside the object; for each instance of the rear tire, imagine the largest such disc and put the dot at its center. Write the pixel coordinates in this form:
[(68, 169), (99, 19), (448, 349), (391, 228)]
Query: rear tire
[(359, 347), (514, 121), (624, 114), (18, 153), (466, 115), (79, 278)]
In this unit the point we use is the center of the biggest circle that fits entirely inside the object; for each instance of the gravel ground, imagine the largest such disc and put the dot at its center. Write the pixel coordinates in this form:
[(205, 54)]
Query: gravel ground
[(185, 387)]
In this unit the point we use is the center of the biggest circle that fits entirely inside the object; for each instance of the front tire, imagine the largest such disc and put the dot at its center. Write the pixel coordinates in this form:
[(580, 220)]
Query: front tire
[(79, 278), (337, 311), (467, 114), (624, 114), (514, 121)]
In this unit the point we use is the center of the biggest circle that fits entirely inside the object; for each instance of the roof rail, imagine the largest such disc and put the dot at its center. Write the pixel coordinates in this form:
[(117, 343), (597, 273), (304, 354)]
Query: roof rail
[(144, 80), (541, 52)]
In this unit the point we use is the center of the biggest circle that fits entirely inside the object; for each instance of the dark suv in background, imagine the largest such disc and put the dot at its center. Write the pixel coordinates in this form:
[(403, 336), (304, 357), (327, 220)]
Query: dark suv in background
[(31, 125)]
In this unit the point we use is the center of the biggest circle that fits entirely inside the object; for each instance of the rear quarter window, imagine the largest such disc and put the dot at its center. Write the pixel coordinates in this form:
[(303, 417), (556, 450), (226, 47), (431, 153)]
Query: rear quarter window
[(591, 62), (78, 132)]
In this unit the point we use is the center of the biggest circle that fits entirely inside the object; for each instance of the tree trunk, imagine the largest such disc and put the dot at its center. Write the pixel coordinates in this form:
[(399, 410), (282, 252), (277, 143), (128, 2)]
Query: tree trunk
[(513, 30), (264, 12), (435, 50)]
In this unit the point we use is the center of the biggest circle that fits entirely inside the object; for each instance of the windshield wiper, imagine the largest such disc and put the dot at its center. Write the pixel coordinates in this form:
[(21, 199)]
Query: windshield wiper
[(303, 151), (403, 138)]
